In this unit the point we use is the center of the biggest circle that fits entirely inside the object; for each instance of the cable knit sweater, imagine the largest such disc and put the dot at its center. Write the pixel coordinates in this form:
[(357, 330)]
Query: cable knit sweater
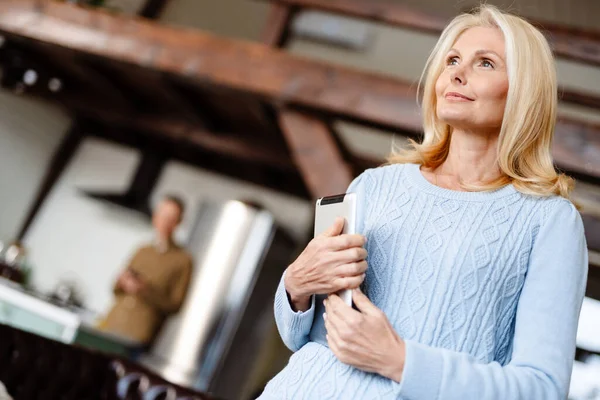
[(484, 287)]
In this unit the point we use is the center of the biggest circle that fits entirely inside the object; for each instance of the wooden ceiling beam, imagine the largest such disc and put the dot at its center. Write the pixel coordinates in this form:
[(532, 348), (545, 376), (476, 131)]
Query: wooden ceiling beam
[(41, 59), (150, 88), (216, 143), (315, 153), (592, 231), (282, 180), (576, 148), (580, 98), (182, 133), (394, 14), (152, 9), (577, 44), (277, 28), (206, 59)]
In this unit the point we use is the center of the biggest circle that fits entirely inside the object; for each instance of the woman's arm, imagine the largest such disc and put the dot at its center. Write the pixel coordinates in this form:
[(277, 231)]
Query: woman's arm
[(545, 330), (294, 325)]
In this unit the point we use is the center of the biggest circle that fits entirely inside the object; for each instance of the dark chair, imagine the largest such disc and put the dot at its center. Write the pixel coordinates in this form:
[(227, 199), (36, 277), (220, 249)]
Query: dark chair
[(35, 368)]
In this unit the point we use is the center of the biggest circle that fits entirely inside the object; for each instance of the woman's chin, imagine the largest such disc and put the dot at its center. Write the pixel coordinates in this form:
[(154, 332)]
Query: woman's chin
[(459, 121)]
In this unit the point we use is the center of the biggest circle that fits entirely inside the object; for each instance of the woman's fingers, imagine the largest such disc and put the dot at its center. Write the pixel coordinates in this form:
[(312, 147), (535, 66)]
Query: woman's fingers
[(343, 242), (348, 256), (335, 229), (347, 282), (351, 269)]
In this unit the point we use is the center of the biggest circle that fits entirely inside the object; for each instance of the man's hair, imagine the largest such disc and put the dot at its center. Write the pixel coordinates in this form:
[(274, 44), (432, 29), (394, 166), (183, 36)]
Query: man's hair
[(177, 201)]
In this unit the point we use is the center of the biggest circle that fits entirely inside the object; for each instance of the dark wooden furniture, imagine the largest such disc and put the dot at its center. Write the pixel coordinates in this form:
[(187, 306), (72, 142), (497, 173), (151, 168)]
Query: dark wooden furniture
[(35, 368)]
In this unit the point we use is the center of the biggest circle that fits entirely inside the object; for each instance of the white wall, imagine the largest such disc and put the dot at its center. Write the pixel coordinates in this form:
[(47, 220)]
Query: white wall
[(89, 242), (30, 131)]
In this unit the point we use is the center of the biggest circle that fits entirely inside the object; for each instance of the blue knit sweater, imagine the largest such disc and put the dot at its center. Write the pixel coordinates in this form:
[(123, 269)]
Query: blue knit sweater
[(484, 287)]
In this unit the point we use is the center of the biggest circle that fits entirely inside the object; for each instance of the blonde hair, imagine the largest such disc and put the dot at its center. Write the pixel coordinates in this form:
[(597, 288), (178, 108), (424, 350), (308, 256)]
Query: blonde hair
[(529, 117)]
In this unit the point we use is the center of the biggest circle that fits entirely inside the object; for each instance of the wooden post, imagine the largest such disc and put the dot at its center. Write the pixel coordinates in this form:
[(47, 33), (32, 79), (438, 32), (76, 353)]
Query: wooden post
[(277, 29), (152, 9), (315, 153)]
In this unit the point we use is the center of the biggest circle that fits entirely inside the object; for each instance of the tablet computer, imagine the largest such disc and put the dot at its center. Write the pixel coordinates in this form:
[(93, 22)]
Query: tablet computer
[(326, 211)]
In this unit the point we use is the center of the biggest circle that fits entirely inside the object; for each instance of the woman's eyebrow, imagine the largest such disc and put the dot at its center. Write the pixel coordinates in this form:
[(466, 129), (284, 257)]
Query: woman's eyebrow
[(482, 52)]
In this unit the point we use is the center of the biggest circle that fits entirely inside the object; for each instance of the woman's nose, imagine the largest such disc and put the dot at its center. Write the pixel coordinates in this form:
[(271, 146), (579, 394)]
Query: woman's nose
[(458, 76)]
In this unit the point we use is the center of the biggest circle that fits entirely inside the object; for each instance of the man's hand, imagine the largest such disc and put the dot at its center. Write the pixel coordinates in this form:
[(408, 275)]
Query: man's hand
[(130, 283)]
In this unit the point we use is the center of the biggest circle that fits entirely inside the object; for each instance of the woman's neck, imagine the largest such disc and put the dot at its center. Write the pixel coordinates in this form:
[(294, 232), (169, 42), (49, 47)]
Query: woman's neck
[(472, 159)]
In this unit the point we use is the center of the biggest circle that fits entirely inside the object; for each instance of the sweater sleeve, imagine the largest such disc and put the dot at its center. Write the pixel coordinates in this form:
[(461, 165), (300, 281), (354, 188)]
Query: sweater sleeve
[(545, 329), (294, 326)]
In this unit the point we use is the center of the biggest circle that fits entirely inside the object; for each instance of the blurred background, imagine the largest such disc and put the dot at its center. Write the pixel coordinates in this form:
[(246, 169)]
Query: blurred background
[(248, 110)]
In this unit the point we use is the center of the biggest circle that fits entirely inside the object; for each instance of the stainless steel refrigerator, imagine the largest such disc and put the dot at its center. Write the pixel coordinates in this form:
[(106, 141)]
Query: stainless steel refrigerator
[(240, 253)]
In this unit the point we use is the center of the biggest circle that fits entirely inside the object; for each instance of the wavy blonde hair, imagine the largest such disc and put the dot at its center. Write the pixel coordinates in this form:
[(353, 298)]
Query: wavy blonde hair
[(529, 117)]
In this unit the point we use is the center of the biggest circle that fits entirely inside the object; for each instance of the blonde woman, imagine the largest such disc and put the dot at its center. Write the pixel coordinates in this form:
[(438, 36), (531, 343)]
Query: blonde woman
[(477, 260)]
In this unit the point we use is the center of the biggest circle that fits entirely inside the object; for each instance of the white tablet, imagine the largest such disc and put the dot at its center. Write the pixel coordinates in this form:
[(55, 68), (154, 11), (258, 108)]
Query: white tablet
[(326, 211)]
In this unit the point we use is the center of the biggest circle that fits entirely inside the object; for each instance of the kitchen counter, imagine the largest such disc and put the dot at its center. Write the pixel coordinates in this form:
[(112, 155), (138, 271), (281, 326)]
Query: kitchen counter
[(31, 312)]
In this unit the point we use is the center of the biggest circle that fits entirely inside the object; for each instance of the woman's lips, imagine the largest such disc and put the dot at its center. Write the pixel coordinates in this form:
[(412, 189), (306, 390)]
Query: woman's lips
[(457, 96)]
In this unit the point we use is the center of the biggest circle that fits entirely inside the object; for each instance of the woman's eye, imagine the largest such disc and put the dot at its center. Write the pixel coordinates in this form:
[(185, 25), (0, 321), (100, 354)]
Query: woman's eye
[(452, 61), (487, 64)]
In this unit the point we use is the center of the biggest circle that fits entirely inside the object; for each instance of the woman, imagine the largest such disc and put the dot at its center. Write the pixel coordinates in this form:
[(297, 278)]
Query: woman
[(477, 260)]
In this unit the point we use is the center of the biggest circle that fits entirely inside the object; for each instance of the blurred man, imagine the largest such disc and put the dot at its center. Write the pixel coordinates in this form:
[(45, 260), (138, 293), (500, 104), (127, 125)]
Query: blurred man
[(155, 283)]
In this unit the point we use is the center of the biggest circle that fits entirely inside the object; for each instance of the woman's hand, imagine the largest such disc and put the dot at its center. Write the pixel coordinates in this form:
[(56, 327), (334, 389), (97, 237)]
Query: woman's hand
[(366, 339), (329, 263)]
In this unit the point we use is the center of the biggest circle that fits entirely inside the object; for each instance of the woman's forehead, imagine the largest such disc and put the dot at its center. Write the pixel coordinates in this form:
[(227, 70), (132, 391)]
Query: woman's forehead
[(481, 38)]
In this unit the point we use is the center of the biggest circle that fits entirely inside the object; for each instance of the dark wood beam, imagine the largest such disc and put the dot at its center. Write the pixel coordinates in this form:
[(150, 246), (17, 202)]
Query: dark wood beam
[(573, 43), (315, 153), (357, 162), (42, 59), (152, 9), (184, 134), (151, 91), (277, 28), (576, 148), (58, 163), (394, 14), (578, 97), (593, 282), (568, 42), (286, 180), (592, 230), (206, 59)]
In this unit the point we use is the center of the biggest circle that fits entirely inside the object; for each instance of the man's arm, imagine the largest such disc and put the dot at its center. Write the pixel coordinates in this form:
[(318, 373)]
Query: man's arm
[(122, 282), (170, 300)]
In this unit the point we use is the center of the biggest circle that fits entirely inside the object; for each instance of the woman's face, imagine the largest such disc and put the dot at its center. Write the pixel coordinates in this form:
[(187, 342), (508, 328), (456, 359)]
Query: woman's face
[(471, 90)]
